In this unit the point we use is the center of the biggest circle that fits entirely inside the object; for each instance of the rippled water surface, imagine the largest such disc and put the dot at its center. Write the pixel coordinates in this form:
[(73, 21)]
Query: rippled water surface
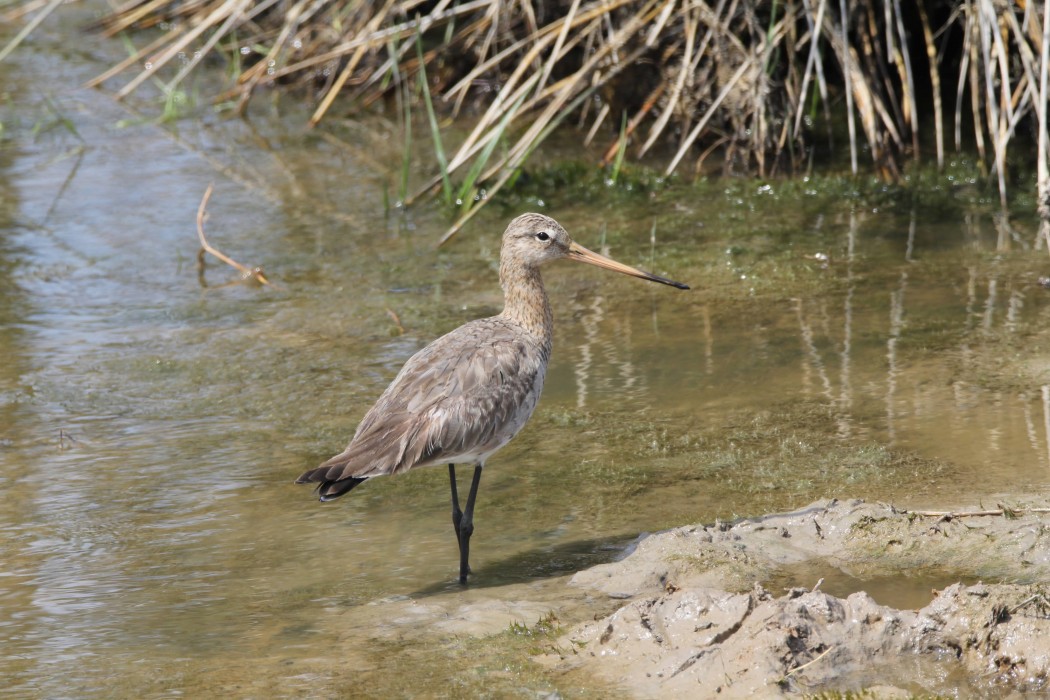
[(151, 540)]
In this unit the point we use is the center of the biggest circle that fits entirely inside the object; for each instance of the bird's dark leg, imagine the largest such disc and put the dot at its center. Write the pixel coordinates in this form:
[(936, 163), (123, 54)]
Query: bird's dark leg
[(457, 514), (466, 526)]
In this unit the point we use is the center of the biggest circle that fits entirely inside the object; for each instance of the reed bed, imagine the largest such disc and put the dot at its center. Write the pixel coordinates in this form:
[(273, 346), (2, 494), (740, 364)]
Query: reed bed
[(767, 86)]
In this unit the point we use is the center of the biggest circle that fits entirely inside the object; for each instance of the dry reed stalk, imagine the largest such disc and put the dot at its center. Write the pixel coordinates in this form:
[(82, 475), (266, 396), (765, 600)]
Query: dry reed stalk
[(380, 37), (559, 43), (970, 81), (687, 142), (599, 119), (51, 6), (735, 75), (813, 66), (902, 59), (932, 61), (560, 92), (479, 139), (691, 24), (1043, 157), (234, 16), (250, 78), (135, 57), (20, 10), (567, 88), (496, 110), (847, 69), (997, 109), (358, 54), (221, 10), (124, 19), (521, 149), (632, 125)]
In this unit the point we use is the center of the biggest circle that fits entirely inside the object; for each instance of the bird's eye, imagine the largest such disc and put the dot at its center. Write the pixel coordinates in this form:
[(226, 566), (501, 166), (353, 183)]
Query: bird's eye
[(543, 236)]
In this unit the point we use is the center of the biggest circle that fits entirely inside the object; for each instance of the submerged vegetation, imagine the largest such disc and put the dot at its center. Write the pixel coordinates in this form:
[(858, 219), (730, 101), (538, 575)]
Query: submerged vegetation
[(736, 85)]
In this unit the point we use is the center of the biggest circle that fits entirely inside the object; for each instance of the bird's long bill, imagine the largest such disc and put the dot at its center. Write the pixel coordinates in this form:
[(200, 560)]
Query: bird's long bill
[(578, 252)]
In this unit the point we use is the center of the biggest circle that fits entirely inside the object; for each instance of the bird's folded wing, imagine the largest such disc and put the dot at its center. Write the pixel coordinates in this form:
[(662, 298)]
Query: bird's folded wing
[(460, 395)]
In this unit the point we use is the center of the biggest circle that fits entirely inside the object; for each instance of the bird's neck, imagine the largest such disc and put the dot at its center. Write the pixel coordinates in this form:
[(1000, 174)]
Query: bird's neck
[(525, 301)]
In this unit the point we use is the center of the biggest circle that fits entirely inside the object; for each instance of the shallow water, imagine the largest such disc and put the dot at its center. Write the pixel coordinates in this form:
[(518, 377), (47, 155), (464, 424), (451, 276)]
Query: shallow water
[(152, 542)]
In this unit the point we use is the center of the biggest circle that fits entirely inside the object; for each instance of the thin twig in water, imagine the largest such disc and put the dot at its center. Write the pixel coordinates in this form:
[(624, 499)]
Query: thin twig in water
[(795, 670), (397, 321), (1037, 598), (972, 513), (62, 437), (254, 273)]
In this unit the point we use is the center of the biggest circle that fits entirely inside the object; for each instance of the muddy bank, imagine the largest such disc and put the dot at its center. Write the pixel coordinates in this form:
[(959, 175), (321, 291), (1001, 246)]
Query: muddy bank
[(700, 624)]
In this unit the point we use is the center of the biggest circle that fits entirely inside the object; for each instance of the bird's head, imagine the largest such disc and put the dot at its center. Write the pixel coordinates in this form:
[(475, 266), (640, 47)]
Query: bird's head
[(532, 240)]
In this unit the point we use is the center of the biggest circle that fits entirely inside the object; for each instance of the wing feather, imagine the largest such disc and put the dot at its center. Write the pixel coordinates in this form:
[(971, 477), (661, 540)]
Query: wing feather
[(465, 394)]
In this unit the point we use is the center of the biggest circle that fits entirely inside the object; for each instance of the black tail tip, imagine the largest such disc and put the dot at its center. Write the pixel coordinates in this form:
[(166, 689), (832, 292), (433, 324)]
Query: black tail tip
[(331, 490)]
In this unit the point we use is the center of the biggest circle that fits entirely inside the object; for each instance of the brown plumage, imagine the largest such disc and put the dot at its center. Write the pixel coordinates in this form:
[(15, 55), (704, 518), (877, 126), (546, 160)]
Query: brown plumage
[(464, 396)]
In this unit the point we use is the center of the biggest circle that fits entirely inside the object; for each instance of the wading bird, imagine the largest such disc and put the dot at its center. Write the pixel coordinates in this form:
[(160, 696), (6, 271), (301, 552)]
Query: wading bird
[(464, 396)]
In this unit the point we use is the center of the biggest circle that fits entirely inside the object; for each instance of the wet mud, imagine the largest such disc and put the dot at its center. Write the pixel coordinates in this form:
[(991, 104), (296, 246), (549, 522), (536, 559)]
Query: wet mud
[(701, 620)]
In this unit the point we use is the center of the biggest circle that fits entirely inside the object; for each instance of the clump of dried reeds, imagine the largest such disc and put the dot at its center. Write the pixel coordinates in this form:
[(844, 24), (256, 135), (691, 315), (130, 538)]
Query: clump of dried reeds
[(753, 81)]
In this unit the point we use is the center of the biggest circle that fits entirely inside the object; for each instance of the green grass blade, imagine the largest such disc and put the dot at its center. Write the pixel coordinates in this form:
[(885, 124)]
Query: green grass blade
[(435, 131), (483, 158), (405, 113), (621, 149)]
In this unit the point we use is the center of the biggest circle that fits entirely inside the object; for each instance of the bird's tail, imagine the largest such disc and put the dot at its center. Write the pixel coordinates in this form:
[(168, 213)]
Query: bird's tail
[(329, 489)]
